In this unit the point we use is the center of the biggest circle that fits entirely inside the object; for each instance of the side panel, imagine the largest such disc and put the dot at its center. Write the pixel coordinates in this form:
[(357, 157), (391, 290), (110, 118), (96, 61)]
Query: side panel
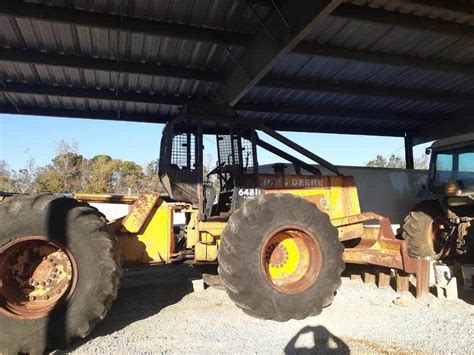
[(334, 195), (154, 243)]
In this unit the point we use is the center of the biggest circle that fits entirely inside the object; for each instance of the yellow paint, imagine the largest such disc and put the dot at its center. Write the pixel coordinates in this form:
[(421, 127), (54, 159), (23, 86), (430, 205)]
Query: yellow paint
[(140, 212), (208, 240), (155, 241), (286, 258), (338, 196), (158, 234), (150, 235), (290, 265)]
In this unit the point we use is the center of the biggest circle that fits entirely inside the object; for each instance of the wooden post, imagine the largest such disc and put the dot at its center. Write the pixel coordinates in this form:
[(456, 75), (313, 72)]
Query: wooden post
[(383, 279), (402, 281), (422, 278), (369, 277)]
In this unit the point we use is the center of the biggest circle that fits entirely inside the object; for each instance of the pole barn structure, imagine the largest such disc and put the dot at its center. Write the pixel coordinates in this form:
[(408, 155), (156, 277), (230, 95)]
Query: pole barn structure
[(400, 68)]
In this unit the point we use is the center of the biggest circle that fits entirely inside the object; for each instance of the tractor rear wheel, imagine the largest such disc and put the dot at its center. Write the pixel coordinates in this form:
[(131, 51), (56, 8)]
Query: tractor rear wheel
[(424, 228), (58, 269), (280, 258)]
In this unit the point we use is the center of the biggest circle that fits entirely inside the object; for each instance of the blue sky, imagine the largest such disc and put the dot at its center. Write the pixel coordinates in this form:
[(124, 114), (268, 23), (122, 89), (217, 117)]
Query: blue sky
[(24, 136)]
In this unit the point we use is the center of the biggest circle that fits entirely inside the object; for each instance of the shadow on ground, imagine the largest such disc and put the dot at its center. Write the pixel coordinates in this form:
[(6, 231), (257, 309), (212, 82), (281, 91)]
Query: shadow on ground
[(322, 340), (144, 293)]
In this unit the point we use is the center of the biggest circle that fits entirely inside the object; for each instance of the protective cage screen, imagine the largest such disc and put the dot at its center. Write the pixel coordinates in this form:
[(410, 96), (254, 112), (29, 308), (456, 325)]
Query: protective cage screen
[(183, 152)]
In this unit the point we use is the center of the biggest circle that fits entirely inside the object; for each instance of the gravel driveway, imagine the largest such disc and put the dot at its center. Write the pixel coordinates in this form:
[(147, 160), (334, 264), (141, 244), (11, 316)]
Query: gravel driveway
[(157, 312)]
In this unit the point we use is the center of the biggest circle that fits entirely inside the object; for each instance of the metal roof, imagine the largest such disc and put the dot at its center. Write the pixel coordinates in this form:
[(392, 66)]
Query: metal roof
[(383, 67)]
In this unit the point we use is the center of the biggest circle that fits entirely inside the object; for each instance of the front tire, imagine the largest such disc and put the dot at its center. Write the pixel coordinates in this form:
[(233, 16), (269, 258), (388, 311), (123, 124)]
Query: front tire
[(280, 258), (423, 229), (53, 238)]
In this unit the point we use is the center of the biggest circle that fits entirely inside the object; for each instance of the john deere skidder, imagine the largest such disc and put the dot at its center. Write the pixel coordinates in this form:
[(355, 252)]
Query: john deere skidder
[(281, 239)]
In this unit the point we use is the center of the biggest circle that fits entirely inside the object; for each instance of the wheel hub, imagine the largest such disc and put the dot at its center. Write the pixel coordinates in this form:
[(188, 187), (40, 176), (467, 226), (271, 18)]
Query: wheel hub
[(291, 259), (37, 274)]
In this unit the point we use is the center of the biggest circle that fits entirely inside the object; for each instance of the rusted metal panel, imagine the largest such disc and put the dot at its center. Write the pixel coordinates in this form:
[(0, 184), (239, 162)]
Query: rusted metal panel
[(106, 198), (140, 211)]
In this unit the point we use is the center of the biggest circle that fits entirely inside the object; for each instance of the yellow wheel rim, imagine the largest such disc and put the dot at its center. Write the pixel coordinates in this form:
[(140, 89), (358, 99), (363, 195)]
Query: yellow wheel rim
[(36, 275), (291, 259)]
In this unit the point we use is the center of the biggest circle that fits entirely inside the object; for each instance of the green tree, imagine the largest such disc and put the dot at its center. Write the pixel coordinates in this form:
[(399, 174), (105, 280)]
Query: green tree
[(49, 180), (5, 177), (67, 163), (100, 172), (23, 180), (394, 161), (378, 162), (129, 177), (151, 179)]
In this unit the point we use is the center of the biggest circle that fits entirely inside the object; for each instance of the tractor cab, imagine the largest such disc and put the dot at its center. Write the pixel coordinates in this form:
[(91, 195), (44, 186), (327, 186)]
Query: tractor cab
[(185, 176), (452, 168), (235, 177)]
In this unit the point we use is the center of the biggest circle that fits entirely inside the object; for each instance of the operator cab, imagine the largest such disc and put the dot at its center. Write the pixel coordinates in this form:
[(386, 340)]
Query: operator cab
[(452, 166), (184, 175), (235, 177)]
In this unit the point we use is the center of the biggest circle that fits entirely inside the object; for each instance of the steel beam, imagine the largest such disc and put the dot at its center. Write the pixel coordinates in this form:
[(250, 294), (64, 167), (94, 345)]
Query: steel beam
[(174, 100), (450, 127), (327, 127), (463, 6), (380, 58), (130, 67), (291, 158), (108, 95), (409, 161), (95, 94), (134, 25), (281, 31), (394, 18), (59, 14), (109, 65), (86, 114), (341, 113), (298, 148), (367, 90)]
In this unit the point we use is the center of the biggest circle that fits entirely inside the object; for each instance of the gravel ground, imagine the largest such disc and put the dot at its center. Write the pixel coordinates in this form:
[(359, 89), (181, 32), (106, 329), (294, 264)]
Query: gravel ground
[(157, 312)]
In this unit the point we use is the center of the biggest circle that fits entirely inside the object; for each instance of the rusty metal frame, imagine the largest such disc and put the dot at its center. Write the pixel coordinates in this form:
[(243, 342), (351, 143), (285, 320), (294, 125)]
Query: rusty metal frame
[(384, 250)]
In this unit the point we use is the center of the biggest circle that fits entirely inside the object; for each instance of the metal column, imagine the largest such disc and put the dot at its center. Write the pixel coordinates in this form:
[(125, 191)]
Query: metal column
[(409, 161)]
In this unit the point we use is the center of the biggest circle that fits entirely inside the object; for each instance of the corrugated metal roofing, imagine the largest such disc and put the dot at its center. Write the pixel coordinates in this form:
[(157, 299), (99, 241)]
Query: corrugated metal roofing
[(43, 36)]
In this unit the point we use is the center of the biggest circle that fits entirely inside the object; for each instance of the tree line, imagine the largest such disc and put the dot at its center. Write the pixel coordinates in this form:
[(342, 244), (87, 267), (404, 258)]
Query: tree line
[(70, 172), (395, 161)]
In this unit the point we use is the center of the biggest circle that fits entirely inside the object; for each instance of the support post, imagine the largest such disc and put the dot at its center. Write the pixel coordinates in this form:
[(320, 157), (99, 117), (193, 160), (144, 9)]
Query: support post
[(422, 278), (409, 161)]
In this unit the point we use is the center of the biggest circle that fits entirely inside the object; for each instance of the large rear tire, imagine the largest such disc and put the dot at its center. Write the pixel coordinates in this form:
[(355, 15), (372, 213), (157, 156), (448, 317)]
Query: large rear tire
[(60, 272), (423, 228), (280, 258)]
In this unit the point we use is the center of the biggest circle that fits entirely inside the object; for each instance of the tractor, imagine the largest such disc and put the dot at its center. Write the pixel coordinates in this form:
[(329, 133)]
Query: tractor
[(439, 227), (281, 240)]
